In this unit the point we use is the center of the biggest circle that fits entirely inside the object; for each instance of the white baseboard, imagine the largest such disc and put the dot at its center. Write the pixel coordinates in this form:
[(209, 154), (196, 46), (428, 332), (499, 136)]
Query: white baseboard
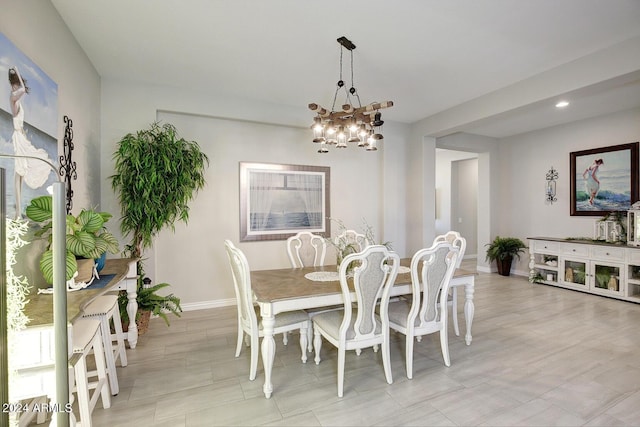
[(483, 269), (203, 305)]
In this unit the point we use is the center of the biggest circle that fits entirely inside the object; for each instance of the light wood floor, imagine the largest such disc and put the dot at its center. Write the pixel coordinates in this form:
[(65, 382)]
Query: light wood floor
[(540, 356)]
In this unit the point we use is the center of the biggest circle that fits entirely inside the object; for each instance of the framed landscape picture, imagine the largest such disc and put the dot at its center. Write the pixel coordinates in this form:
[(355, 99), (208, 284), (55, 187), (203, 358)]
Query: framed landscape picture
[(278, 201), (604, 179)]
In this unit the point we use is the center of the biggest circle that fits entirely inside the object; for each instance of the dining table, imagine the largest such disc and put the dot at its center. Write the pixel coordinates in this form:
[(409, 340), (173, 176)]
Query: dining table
[(288, 289)]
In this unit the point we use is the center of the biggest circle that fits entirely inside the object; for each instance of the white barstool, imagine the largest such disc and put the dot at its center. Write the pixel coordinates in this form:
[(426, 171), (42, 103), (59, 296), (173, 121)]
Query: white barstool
[(105, 308), (87, 338)]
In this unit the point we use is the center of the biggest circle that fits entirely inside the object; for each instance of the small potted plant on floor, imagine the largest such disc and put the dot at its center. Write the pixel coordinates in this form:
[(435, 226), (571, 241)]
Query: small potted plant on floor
[(87, 239), (503, 250), (149, 303)]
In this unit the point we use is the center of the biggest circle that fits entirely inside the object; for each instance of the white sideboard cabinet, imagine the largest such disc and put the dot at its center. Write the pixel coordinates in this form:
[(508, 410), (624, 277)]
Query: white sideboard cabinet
[(600, 268)]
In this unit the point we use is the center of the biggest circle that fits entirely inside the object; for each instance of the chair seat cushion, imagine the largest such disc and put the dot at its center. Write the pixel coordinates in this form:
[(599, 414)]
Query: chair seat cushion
[(330, 322), (101, 305), (83, 330), (315, 311), (399, 312), (286, 318)]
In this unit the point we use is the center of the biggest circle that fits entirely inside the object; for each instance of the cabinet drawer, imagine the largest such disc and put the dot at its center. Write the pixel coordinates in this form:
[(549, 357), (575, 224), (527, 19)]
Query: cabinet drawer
[(579, 250), (548, 247), (607, 253), (634, 256)]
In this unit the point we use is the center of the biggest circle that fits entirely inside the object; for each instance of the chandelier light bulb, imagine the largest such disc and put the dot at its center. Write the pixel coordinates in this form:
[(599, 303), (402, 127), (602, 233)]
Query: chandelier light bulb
[(342, 138)]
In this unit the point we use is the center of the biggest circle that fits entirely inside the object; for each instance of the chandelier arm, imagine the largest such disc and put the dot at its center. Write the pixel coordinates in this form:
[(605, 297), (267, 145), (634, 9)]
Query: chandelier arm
[(374, 107), (322, 112), (361, 113)]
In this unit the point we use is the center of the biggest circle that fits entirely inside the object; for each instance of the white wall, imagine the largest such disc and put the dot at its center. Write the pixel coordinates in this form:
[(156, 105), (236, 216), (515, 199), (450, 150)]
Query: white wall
[(487, 150), (363, 184), (35, 27), (444, 160), (464, 208), (524, 162), (511, 173)]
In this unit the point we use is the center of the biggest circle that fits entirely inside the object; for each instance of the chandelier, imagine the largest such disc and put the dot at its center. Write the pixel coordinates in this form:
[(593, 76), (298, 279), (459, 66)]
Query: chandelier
[(354, 123)]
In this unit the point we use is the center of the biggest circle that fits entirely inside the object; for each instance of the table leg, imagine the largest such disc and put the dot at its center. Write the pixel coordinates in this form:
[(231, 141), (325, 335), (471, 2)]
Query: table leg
[(268, 350), (132, 311), (469, 308)]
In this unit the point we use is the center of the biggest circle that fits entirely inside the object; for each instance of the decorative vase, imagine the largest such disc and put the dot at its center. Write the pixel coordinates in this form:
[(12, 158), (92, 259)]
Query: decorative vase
[(568, 275), (85, 270), (101, 261)]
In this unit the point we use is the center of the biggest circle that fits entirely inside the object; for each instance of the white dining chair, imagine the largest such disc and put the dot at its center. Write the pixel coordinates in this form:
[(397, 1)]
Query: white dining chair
[(426, 312), (306, 249), (248, 314), (360, 327), (359, 240), (460, 242)]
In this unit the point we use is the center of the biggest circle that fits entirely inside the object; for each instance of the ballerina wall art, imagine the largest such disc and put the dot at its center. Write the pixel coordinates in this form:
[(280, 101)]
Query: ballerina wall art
[(604, 180), (28, 127)]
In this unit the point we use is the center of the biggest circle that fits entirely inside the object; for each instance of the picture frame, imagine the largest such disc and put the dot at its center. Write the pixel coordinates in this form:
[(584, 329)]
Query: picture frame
[(40, 122), (603, 180), (279, 200)]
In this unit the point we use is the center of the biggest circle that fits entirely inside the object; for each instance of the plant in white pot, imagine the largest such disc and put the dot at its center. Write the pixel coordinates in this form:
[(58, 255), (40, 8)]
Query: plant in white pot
[(86, 237)]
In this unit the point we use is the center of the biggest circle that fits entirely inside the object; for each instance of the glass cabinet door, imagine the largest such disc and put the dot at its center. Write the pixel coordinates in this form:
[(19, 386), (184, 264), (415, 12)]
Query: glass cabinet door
[(574, 272), (607, 278)]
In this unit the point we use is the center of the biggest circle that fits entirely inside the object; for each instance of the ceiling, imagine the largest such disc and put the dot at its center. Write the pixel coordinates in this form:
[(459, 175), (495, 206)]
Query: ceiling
[(451, 64)]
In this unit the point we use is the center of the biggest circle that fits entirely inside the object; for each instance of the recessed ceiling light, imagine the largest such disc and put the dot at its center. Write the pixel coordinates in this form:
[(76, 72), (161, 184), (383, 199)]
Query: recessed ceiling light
[(562, 104)]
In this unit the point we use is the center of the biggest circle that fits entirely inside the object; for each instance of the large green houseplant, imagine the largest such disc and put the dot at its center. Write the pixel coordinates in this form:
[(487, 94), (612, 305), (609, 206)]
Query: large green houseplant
[(157, 173), (86, 236), (503, 250)]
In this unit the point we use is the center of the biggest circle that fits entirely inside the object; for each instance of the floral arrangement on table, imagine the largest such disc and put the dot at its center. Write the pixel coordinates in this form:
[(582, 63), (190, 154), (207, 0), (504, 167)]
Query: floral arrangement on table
[(344, 247)]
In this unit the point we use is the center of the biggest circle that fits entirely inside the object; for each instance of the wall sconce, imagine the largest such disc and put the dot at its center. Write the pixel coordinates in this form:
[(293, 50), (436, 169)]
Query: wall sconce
[(550, 190)]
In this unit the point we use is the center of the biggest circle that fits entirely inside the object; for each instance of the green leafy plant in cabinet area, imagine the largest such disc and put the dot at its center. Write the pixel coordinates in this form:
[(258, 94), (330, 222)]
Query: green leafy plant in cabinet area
[(86, 235)]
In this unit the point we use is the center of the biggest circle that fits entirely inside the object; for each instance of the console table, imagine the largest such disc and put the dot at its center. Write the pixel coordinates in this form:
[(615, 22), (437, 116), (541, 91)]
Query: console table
[(35, 345), (608, 269)]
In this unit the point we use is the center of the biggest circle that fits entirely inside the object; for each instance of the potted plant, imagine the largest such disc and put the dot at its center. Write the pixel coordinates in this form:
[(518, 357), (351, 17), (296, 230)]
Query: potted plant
[(86, 236), (149, 303), (503, 250), (157, 174)]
